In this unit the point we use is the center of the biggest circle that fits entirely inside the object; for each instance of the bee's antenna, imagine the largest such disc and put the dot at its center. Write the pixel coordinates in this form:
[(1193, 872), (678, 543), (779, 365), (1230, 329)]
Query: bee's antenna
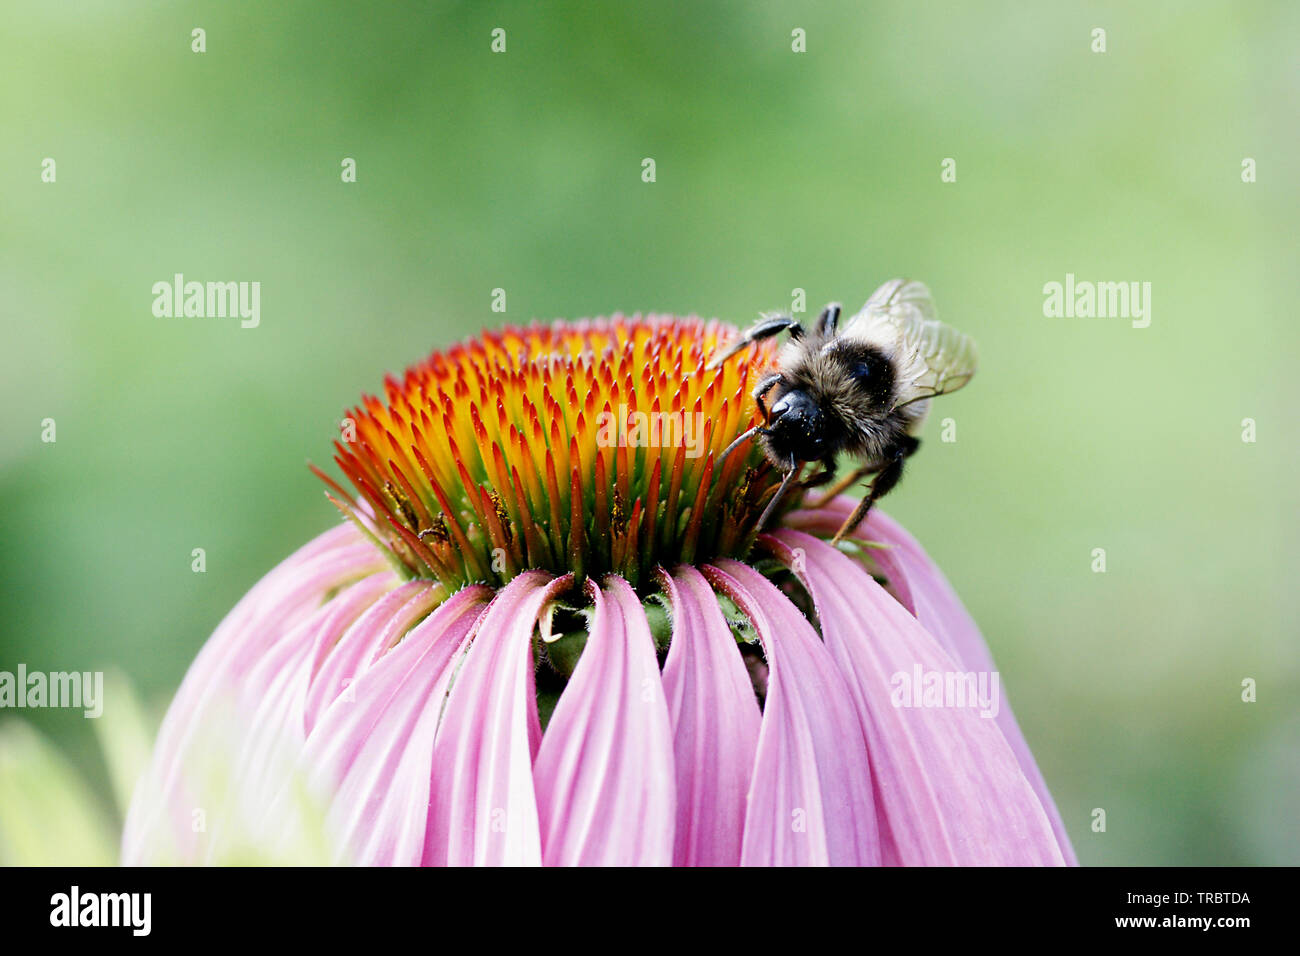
[(732, 447)]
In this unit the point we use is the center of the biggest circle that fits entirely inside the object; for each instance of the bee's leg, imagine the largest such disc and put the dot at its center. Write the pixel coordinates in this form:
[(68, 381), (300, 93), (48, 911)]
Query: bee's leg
[(883, 483), (765, 386), (886, 479), (844, 483), (795, 468), (828, 320), (823, 476), (761, 330)]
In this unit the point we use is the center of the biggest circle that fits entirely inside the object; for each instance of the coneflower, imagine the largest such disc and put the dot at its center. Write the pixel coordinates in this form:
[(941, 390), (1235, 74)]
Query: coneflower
[(551, 632)]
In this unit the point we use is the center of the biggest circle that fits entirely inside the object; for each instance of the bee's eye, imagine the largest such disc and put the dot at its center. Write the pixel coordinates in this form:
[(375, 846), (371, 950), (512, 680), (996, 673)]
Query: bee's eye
[(861, 371)]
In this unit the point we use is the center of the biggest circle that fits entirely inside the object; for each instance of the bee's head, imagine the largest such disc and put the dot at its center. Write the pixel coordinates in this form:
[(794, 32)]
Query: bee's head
[(799, 429)]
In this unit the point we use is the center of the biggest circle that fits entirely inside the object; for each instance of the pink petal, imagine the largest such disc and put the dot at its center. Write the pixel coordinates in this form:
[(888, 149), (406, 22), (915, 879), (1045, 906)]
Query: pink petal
[(715, 720), (949, 789), (605, 789), (810, 801), (340, 663), (282, 698), (281, 616), (371, 751), (483, 810), (924, 590), (287, 597)]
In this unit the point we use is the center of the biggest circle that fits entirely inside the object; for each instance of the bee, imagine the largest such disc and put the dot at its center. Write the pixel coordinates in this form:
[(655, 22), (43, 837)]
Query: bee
[(861, 389)]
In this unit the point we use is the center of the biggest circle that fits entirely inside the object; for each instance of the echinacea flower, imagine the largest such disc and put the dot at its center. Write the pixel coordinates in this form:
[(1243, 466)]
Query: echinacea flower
[(552, 633)]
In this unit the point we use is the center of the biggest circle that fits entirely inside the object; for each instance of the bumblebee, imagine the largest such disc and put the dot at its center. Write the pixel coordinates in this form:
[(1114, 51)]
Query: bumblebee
[(859, 388)]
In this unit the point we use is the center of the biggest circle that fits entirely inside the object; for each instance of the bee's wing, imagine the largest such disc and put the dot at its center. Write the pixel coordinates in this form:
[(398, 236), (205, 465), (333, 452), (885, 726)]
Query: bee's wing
[(929, 358)]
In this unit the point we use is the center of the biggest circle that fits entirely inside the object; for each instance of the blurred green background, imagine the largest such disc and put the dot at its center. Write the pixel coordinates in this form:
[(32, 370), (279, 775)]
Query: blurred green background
[(776, 170)]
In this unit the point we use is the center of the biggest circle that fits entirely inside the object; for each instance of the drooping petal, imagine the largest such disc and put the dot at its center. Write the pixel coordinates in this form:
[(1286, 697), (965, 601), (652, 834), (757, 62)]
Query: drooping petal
[(280, 696), (949, 790), (283, 600), (810, 800), (337, 665), (483, 808), (941, 612), (606, 793), (371, 751), (925, 591), (210, 727), (715, 720)]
